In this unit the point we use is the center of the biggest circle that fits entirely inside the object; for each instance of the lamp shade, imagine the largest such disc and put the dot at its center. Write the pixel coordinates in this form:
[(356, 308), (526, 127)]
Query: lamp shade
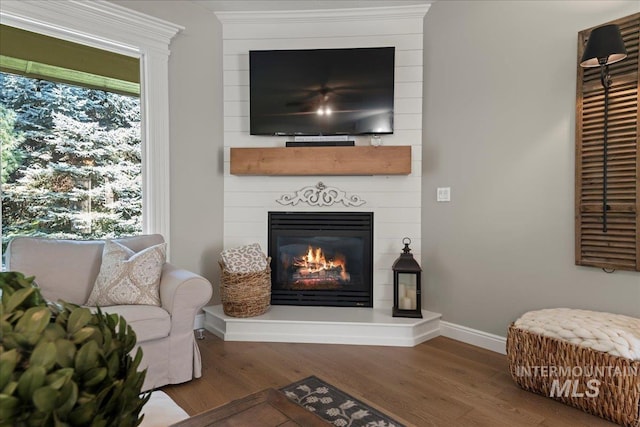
[(605, 46)]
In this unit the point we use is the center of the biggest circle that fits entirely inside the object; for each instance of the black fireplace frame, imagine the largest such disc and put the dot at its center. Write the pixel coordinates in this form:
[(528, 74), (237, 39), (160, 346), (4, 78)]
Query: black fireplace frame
[(348, 223)]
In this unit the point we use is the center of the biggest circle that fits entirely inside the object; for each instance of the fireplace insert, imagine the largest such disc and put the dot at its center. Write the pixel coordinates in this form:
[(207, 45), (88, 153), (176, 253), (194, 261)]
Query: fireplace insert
[(321, 258)]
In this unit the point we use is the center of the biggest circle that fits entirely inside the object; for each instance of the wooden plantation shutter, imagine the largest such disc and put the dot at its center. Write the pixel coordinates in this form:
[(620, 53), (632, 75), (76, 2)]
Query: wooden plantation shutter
[(619, 247)]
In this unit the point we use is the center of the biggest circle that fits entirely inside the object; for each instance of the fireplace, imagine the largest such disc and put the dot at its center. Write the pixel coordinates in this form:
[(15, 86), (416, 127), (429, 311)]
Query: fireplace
[(321, 258)]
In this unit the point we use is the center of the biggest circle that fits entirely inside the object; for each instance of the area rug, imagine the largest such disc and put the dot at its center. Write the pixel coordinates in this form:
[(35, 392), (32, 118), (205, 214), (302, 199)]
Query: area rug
[(336, 406)]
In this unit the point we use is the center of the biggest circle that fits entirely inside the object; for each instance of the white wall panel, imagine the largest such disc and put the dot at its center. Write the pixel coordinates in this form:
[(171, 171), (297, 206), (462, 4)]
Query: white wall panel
[(405, 137), (237, 123), (407, 41), (406, 58), (316, 30), (408, 89), (240, 214), (236, 108), (394, 200), (236, 62), (408, 105), (409, 74), (236, 93), (407, 121), (236, 77), (245, 229)]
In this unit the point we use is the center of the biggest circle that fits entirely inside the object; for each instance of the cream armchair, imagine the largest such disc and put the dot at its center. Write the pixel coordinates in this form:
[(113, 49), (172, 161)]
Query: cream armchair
[(67, 270)]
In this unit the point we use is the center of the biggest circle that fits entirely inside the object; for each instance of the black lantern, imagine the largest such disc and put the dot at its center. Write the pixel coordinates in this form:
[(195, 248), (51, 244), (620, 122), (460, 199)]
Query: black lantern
[(406, 284)]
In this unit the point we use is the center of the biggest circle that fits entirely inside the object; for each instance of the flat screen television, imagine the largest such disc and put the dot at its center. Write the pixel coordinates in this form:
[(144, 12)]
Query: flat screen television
[(321, 91)]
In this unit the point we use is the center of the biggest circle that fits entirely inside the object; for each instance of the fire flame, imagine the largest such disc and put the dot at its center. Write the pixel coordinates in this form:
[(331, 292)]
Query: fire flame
[(315, 262)]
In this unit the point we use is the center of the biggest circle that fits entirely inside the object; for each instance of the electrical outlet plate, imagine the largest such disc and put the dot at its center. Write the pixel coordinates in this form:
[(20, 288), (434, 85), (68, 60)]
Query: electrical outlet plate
[(443, 194)]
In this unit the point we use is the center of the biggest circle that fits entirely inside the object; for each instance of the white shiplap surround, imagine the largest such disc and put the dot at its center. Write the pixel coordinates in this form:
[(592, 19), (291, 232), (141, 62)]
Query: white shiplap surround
[(394, 200)]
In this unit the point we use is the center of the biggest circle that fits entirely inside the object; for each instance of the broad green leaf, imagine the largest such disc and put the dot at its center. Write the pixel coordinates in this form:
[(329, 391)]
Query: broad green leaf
[(44, 399), (24, 281), (11, 355), (58, 378), (28, 339), (83, 334), (8, 408), (85, 397), (44, 355), (83, 414), (18, 298), (87, 357), (8, 362), (9, 341), (5, 294), (65, 352), (97, 335), (61, 319), (30, 380), (34, 320), (6, 372), (10, 388), (53, 331), (78, 319), (12, 318), (67, 399), (94, 376)]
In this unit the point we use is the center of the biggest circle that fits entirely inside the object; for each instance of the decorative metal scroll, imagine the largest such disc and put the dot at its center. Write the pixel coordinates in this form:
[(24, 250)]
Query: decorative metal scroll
[(320, 195)]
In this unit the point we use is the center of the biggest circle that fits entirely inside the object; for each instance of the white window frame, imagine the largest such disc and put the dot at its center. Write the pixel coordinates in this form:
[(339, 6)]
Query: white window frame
[(115, 28)]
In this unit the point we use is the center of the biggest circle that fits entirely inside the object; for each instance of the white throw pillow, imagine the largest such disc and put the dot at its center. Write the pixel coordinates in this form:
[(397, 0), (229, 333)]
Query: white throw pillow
[(127, 277), (244, 259)]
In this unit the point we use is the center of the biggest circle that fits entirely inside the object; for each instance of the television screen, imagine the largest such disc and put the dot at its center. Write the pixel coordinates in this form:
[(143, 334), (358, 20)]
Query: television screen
[(321, 91)]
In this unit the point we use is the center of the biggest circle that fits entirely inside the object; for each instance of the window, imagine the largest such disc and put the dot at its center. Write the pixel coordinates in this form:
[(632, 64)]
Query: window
[(117, 29), (71, 160), (72, 152)]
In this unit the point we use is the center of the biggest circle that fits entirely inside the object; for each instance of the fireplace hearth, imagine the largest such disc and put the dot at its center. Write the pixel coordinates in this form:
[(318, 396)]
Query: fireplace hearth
[(321, 258)]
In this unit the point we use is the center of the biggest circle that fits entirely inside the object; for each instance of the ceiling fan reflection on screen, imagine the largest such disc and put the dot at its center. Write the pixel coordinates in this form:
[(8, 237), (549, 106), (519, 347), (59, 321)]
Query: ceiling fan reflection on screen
[(326, 99)]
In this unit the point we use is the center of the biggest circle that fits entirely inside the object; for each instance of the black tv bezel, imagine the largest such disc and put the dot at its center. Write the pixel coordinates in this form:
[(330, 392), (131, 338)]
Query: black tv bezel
[(292, 133)]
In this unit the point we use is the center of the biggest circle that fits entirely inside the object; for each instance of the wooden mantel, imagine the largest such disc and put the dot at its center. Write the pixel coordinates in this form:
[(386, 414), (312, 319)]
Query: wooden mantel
[(357, 160)]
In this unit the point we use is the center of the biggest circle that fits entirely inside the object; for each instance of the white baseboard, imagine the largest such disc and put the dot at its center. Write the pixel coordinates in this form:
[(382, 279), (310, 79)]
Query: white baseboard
[(199, 321), (474, 337)]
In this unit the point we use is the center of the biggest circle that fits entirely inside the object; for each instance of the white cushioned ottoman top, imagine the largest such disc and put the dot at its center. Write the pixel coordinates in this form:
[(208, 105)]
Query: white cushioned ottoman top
[(615, 334)]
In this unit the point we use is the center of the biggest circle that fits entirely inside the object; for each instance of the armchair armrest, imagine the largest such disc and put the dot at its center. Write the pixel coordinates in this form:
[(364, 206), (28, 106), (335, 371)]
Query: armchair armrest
[(183, 293)]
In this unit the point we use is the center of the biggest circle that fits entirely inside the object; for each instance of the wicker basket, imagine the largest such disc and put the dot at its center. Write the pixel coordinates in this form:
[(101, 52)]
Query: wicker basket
[(618, 390), (245, 294)]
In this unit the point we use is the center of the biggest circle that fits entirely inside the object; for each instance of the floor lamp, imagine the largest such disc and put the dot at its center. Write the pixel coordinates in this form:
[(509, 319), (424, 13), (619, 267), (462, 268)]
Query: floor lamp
[(604, 46)]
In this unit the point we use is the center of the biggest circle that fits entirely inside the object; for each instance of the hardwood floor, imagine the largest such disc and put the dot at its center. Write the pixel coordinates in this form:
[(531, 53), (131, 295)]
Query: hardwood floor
[(441, 382)]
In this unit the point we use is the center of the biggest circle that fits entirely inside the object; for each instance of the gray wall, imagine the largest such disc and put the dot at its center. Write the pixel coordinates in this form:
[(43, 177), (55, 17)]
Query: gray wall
[(195, 98), (499, 105), (499, 118)]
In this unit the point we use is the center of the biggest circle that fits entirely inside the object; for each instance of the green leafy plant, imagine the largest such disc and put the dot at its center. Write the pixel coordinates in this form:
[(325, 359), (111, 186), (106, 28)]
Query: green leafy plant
[(64, 365)]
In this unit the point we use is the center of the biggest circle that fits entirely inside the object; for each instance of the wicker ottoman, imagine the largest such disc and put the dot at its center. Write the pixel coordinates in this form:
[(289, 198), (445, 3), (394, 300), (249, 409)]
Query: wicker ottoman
[(597, 382)]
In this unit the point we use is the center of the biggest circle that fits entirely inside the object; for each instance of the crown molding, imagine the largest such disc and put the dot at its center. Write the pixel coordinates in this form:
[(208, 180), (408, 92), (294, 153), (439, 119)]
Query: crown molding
[(92, 23), (324, 15)]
